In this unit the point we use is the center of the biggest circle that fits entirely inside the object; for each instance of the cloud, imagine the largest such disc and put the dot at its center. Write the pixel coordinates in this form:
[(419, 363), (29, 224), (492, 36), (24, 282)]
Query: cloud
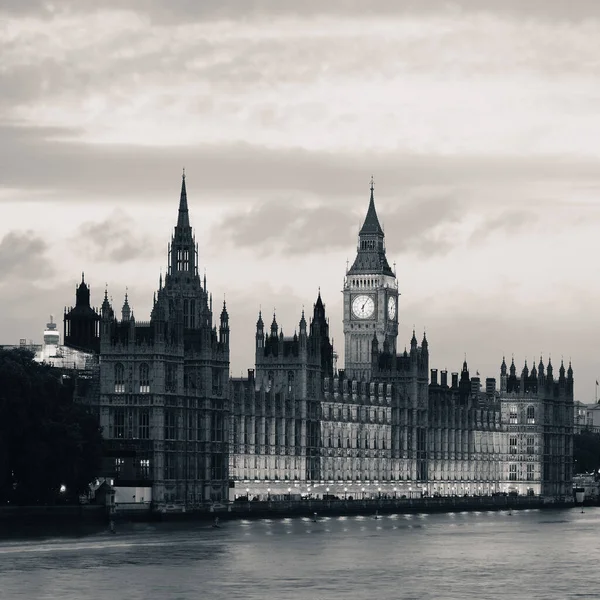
[(116, 239), (189, 10), (51, 159), (288, 226), (509, 222), (23, 256)]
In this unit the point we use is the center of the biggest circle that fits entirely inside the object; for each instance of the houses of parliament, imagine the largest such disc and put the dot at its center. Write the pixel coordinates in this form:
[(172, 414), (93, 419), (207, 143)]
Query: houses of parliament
[(179, 429)]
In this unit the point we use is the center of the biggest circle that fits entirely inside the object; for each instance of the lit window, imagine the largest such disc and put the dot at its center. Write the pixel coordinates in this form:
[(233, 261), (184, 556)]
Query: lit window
[(530, 415), (119, 379), (512, 473), (144, 378), (530, 445), (530, 472), (513, 414), (513, 445)]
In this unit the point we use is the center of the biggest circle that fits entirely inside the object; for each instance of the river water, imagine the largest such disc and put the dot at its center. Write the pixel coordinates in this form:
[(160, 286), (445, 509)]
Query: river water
[(529, 554)]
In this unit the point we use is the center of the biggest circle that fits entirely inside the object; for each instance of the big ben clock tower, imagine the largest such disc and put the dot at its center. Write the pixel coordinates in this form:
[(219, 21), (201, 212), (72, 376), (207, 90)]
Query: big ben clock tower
[(370, 298)]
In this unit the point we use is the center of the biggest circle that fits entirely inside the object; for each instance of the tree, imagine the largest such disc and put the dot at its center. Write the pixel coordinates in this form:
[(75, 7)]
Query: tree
[(47, 440), (586, 452)]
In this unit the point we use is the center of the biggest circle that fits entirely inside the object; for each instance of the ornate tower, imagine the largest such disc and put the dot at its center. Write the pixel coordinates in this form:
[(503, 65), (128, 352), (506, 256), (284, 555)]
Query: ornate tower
[(370, 298)]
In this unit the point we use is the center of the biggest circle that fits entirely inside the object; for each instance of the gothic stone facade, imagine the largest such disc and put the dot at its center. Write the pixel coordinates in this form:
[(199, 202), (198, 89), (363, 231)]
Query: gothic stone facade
[(384, 425), (164, 385)]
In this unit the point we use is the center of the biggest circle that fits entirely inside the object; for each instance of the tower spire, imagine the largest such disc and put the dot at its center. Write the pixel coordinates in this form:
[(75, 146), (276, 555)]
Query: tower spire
[(371, 224), (183, 219)]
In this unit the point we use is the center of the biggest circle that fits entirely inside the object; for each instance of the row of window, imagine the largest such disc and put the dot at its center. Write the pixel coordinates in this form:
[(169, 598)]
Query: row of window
[(170, 379), (359, 442), (194, 427), (512, 472), (351, 413), (193, 467), (514, 415), (513, 445)]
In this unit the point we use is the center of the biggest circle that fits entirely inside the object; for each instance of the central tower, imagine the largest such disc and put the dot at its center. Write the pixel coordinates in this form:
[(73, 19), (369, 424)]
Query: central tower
[(370, 299)]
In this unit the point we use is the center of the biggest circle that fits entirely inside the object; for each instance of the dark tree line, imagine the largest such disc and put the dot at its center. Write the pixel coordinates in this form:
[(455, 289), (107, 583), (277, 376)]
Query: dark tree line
[(586, 452), (46, 439)]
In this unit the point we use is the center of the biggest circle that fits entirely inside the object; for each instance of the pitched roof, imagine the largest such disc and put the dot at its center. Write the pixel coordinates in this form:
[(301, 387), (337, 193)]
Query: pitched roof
[(371, 224)]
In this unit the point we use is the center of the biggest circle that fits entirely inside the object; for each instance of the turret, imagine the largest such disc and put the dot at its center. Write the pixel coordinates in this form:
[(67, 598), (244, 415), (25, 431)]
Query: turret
[(562, 380), (260, 331), (374, 348), (302, 326), (81, 323), (549, 372), (413, 346), (274, 327), (224, 327), (126, 310), (503, 376)]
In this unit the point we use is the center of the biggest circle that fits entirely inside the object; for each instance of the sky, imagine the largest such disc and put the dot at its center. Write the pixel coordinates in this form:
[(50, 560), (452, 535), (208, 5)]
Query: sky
[(479, 121)]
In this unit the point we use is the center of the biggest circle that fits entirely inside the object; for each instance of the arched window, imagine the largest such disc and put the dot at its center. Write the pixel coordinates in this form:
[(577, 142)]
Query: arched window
[(119, 379), (530, 415), (171, 378), (290, 381), (144, 378), (339, 441)]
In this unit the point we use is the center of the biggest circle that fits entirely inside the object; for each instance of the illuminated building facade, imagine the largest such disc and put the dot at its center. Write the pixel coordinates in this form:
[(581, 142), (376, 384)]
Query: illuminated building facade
[(385, 425)]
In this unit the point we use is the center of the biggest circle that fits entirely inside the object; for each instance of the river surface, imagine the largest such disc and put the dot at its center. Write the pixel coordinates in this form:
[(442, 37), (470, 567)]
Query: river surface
[(529, 554)]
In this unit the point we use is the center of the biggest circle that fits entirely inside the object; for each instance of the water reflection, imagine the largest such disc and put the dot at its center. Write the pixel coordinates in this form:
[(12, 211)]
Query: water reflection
[(533, 554)]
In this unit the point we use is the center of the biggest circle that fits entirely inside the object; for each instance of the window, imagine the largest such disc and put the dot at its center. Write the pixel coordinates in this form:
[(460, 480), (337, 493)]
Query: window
[(170, 465), (530, 415), (290, 381), (118, 465), (513, 414), (530, 444), (512, 445), (145, 468), (170, 379), (119, 379), (512, 472), (119, 423), (191, 420), (530, 472), (217, 427), (144, 424), (216, 381), (144, 378), (217, 464), (170, 426)]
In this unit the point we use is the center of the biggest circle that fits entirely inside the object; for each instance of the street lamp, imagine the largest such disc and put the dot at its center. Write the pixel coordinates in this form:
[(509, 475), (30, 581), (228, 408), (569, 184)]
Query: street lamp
[(345, 491), (394, 493), (379, 490), (269, 494), (247, 494), (363, 493), (289, 494)]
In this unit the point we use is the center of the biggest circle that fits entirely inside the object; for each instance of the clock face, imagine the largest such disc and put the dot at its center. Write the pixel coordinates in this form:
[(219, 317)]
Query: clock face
[(363, 307), (391, 308)]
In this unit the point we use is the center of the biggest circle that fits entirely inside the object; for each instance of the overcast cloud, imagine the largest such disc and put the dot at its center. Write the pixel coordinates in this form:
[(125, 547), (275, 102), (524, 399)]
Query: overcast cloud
[(479, 120)]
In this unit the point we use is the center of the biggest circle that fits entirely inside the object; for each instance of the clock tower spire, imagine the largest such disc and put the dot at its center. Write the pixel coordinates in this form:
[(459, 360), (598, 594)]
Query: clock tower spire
[(370, 297)]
